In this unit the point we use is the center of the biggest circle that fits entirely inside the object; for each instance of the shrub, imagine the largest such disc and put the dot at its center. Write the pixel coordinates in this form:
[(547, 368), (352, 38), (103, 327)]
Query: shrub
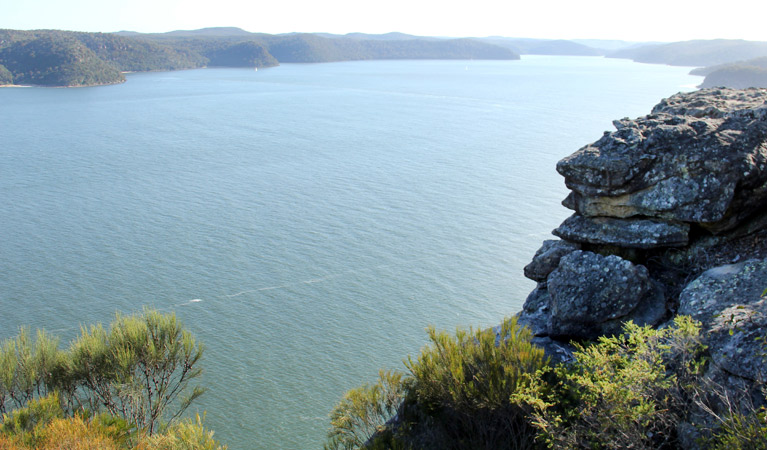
[(75, 433), (28, 368), (139, 369), (457, 395), (364, 411), (619, 392), (25, 423), (184, 435), (476, 369), (463, 384), (741, 431)]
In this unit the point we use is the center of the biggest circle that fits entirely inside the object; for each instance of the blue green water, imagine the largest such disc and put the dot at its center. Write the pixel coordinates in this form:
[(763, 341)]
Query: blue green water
[(306, 222)]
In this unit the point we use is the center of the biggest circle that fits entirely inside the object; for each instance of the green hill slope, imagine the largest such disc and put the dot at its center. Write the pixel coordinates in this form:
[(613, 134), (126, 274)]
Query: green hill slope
[(57, 61), (695, 53)]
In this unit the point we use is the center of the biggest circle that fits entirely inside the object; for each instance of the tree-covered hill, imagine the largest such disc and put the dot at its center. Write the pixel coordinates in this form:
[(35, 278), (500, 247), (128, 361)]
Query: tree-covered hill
[(57, 61), (737, 77), (243, 54), (65, 58), (139, 55), (756, 62), (6, 77), (544, 46), (306, 48), (695, 53)]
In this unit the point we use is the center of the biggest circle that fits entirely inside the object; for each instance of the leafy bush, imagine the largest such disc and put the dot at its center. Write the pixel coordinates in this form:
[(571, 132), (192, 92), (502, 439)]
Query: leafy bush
[(364, 411), (75, 433), (26, 423), (28, 368), (620, 391), (42, 426), (464, 385), (476, 369), (457, 395), (741, 431), (185, 435), (139, 370)]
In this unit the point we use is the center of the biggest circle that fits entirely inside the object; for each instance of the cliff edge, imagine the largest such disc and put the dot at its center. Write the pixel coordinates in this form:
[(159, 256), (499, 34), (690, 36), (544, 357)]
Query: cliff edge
[(670, 217)]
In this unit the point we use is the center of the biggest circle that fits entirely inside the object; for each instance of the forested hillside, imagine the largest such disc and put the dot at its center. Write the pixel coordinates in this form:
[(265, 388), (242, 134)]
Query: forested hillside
[(64, 58), (695, 53)]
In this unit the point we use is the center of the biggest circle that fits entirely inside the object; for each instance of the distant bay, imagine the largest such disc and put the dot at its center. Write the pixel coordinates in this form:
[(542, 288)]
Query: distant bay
[(306, 221)]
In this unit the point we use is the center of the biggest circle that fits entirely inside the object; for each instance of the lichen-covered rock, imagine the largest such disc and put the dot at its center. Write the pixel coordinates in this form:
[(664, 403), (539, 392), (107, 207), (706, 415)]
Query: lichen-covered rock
[(592, 295), (723, 287), (700, 157), (736, 340), (536, 314), (677, 192), (629, 233), (547, 258), (728, 301)]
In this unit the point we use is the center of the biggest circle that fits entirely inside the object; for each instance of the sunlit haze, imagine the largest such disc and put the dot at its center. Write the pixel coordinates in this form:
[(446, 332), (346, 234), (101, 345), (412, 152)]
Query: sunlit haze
[(650, 20)]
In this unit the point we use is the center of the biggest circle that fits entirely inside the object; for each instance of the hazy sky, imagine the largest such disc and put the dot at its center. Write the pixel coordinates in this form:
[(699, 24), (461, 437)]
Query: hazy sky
[(645, 20)]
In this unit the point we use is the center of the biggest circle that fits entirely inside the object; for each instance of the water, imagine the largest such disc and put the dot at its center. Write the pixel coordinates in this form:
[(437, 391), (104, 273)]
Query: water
[(306, 222)]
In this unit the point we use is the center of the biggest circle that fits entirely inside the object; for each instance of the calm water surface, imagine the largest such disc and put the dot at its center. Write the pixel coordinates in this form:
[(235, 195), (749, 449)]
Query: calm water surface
[(306, 222)]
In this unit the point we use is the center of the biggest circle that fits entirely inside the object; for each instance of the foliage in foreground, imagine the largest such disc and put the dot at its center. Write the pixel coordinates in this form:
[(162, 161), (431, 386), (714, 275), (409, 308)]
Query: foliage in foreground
[(139, 370), (473, 391), (741, 430), (626, 391), (42, 425), (457, 395), (364, 411)]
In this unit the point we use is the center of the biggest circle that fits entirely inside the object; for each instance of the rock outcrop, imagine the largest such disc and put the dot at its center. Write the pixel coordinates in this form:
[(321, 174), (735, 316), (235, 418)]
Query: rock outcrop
[(670, 217)]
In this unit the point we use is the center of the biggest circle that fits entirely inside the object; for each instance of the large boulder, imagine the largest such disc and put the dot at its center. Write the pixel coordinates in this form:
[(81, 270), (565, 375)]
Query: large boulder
[(592, 295), (547, 258), (698, 157), (728, 301)]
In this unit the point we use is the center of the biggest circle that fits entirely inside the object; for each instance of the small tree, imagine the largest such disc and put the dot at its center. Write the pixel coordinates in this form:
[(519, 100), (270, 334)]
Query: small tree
[(140, 369)]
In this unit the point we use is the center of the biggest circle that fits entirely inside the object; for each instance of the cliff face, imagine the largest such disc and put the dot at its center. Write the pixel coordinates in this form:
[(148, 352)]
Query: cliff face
[(670, 217)]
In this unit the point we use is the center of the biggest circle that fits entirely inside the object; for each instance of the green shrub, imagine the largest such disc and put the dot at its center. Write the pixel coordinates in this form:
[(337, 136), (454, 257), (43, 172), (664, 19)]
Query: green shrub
[(620, 391), (474, 370), (462, 388), (184, 435), (140, 369), (741, 431), (25, 423), (42, 425), (364, 411), (457, 395), (28, 368)]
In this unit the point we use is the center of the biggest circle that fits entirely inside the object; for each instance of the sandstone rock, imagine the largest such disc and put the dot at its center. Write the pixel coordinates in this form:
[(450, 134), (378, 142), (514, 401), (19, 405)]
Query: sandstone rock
[(677, 192), (630, 233), (738, 353), (547, 258), (591, 295), (728, 301), (699, 157), (536, 314), (723, 287)]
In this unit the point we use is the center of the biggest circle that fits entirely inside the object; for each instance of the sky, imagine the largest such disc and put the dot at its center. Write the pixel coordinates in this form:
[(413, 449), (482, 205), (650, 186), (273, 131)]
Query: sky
[(646, 20)]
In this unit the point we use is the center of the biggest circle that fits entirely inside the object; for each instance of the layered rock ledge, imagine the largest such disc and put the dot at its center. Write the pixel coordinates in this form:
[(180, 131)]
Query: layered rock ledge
[(670, 217)]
